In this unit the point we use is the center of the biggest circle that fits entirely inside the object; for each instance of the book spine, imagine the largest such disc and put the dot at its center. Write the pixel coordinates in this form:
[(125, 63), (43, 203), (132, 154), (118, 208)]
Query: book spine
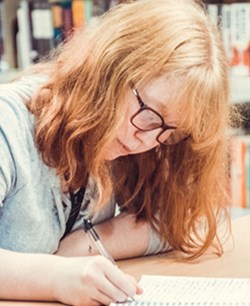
[(99, 7), (3, 65), (57, 21), (240, 171), (237, 173), (226, 30), (67, 17), (78, 13), (88, 10), (213, 13), (24, 35), (247, 165), (240, 25), (42, 27), (8, 34)]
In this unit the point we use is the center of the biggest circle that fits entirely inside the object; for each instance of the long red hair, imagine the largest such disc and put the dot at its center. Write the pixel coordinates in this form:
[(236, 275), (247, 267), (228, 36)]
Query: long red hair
[(79, 109)]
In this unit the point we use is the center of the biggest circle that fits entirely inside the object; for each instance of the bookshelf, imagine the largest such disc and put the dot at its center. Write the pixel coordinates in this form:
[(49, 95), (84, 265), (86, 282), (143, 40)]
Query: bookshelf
[(16, 48), (29, 29)]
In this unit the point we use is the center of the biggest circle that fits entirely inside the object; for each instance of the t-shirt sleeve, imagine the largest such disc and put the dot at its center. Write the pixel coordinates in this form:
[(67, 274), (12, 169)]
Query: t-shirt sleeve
[(156, 243), (7, 168)]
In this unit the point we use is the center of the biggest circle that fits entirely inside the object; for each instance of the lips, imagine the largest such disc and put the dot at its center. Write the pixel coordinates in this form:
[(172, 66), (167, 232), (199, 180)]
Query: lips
[(123, 147)]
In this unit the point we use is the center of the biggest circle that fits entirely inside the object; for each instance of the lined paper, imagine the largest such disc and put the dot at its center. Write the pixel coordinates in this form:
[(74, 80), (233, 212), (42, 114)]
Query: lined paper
[(192, 291)]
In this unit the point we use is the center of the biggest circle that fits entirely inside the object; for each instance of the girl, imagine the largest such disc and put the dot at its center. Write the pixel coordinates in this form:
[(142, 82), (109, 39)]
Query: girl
[(130, 113)]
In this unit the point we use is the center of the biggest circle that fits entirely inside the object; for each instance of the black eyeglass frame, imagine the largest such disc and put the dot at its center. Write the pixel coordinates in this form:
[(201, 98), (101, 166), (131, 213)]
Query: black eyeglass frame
[(144, 106)]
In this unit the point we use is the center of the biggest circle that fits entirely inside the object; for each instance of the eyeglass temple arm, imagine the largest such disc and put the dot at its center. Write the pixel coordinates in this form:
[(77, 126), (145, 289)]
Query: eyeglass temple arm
[(138, 97)]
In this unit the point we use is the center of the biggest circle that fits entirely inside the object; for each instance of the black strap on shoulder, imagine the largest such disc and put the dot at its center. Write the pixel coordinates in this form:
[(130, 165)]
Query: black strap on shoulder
[(76, 202)]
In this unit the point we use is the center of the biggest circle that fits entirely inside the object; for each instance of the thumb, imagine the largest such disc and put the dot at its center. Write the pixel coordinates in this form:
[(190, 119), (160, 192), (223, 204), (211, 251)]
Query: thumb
[(139, 289)]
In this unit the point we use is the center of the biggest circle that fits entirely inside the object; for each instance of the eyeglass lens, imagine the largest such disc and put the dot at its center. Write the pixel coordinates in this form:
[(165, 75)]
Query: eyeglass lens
[(148, 120)]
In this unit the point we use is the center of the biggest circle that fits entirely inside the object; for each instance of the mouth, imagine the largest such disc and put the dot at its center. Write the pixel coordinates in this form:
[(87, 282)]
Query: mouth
[(124, 148)]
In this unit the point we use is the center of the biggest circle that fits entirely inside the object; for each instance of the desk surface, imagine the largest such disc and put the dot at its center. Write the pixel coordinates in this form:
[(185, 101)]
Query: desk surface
[(234, 262)]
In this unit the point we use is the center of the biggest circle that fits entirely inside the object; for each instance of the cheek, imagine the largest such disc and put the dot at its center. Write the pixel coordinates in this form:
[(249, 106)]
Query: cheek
[(125, 124)]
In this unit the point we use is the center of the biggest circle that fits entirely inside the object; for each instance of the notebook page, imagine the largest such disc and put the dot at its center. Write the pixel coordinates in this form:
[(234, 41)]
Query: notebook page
[(180, 291)]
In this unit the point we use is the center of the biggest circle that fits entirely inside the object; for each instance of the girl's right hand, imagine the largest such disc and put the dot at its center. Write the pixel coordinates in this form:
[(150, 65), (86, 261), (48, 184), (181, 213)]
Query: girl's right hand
[(91, 281)]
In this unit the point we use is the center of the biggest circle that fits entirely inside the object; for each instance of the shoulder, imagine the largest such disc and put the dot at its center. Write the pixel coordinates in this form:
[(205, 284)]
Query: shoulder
[(17, 146), (14, 115), (13, 96)]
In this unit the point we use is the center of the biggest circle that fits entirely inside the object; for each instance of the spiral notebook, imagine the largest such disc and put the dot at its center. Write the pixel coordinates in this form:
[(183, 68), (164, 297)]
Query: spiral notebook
[(191, 291)]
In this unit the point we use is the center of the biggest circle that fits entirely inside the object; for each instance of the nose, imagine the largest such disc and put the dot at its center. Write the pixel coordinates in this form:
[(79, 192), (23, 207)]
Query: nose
[(148, 138)]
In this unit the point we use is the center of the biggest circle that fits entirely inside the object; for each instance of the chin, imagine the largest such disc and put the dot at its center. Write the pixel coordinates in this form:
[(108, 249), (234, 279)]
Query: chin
[(111, 156)]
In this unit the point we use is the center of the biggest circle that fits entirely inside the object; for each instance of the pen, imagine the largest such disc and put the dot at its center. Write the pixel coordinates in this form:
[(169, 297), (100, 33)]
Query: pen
[(90, 230)]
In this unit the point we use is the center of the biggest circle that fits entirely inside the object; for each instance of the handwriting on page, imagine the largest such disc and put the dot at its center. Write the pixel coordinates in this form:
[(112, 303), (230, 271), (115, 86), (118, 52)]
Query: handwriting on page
[(192, 291)]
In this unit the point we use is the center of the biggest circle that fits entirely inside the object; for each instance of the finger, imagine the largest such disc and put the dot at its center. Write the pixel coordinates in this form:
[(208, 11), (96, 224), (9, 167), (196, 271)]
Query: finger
[(122, 281), (96, 296), (110, 290), (139, 289), (113, 282), (100, 287), (101, 298), (94, 303)]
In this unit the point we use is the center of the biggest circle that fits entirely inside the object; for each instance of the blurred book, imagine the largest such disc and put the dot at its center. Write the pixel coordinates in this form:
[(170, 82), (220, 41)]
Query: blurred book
[(213, 12), (240, 171), (8, 16), (24, 46), (3, 62), (88, 12), (57, 21), (99, 7), (42, 27), (226, 30), (67, 17), (240, 39), (78, 13)]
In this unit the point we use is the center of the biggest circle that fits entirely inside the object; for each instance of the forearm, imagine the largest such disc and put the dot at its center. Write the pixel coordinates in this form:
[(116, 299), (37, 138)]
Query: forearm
[(28, 276), (121, 236), (74, 281)]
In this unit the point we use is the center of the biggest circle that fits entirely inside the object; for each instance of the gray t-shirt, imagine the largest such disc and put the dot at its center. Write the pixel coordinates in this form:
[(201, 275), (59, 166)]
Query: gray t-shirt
[(33, 208)]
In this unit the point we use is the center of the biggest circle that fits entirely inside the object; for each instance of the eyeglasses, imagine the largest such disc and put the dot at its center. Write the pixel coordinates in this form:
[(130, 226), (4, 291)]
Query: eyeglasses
[(147, 119)]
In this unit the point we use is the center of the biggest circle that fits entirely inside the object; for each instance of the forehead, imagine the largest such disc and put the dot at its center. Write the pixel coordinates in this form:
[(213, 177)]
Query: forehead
[(162, 94)]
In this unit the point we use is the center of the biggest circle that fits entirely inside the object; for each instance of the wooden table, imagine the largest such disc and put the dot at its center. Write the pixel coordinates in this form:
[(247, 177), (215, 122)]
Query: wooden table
[(234, 263)]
